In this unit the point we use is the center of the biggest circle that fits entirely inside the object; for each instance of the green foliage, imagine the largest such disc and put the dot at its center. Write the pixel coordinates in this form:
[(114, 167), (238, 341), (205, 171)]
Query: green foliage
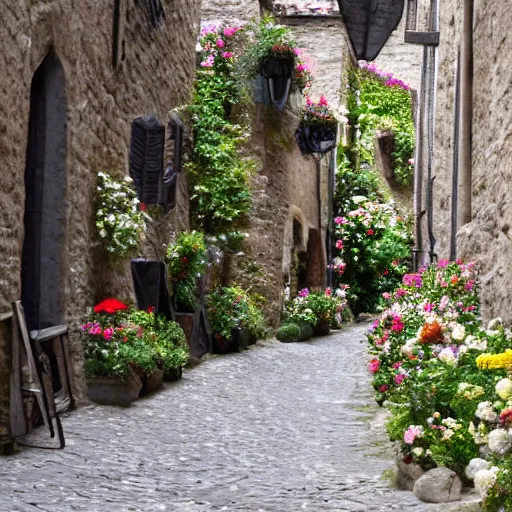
[(186, 261), (385, 105), (231, 307), (218, 173), (288, 332), (499, 497), (119, 222)]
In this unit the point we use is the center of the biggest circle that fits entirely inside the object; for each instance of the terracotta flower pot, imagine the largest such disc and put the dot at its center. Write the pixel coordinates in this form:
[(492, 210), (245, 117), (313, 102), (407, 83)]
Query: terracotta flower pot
[(114, 390)]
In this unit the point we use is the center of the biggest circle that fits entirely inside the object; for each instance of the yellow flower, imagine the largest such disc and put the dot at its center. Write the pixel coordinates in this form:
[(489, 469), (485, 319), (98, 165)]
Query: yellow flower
[(495, 361)]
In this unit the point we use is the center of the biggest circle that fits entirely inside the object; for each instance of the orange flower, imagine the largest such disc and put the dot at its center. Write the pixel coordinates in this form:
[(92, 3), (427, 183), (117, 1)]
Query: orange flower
[(432, 333), (454, 279)]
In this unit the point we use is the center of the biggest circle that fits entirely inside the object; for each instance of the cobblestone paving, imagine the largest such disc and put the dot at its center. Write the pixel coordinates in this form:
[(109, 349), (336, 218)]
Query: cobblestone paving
[(280, 428)]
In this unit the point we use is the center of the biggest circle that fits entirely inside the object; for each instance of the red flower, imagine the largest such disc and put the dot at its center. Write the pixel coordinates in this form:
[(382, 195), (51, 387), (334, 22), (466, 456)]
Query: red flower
[(142, 207), (110, 306), (370, 232), (151, 309)]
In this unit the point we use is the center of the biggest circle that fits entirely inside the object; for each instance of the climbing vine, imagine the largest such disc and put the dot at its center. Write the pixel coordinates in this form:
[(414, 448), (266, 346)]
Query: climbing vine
[(218, 172)]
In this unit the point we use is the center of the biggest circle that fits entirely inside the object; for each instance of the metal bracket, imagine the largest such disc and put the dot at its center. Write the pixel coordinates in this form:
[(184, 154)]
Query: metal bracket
[(424, 38)]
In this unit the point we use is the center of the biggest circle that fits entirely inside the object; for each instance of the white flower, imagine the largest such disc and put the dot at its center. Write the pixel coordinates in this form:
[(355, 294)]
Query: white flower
[(504, 389), (448, 433), (500, 441), (484, 411), (417, 452), (307, 310), (447, 356), (473, 343), (495, 322), (485, 479), (474, 466), (459, 332)]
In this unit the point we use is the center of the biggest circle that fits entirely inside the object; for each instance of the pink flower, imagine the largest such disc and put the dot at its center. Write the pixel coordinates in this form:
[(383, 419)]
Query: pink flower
[(328, 292), (301, 67), (304, 293), (397, 365), (95, 330), (469, 285), (231, 31), (386, 295), (323, 101), (107, 333), (375, 324), (429, 307), (412, 433), (339, 244), (442, 263), (208, 63), (397, 325), (400, 293), (220, 43), (444, 302), (411, 161), (383, 388), (399, 378), (227, 55), (374, 365), (297, 51)]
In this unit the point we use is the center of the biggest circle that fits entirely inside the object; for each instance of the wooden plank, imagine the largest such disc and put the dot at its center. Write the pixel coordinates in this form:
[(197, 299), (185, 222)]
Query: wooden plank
[(68, 368), (16, 410), (5, 316), (34, 375)]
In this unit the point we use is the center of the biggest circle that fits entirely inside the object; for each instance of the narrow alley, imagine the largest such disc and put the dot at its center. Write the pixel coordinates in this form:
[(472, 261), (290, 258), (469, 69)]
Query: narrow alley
[(283, 427)]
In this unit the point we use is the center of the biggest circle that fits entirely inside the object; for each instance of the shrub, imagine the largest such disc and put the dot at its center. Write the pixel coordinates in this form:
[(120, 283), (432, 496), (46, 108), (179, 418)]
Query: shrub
[(232, 307), (186, 261), (288, 332)]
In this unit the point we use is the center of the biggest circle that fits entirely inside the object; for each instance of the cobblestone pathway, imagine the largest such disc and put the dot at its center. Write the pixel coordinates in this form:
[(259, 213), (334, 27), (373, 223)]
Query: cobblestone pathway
[(280, 428)]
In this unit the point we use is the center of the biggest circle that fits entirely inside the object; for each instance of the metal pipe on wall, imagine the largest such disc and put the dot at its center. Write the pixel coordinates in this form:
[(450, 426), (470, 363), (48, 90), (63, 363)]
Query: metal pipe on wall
[(466, 118)]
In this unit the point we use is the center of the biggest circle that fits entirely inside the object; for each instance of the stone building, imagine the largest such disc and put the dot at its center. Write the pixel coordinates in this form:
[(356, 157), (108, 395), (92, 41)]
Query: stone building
[(74, 76), (484, 235)]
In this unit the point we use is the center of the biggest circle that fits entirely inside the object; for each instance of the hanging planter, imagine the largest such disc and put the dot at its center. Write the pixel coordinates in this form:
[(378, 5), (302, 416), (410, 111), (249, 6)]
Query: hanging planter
[(278, 68), (317, 130)]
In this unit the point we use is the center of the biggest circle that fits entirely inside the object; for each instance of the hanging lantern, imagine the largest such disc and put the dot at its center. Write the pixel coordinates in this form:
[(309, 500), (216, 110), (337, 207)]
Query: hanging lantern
[(369, 24)]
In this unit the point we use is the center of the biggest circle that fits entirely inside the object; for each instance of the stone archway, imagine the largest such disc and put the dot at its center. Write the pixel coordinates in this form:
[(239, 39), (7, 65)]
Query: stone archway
[(316, 275), (42, 273)]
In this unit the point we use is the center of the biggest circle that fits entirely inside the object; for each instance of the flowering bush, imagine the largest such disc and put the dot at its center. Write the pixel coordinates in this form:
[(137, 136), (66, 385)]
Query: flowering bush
[(186, 261), (232, 307), (443, 374), (218, 173), (117, 338), (119, 222), (313, 307), (374, 244)]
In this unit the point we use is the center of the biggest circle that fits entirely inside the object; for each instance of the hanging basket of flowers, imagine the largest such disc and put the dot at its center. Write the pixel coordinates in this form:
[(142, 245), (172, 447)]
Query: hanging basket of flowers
[(317, 130), (278, 68)]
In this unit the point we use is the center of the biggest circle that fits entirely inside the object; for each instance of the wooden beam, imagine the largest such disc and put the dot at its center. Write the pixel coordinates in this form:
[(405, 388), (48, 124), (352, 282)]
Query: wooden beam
[(424, 38)]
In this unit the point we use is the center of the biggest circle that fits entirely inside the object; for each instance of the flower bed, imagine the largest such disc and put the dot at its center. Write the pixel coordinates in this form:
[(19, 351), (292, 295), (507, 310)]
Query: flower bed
[(442, 374), (120, 341)]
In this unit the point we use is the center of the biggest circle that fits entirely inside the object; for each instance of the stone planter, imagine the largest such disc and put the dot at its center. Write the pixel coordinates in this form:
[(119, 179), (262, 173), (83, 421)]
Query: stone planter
[(173, 374), (322, 328), (152, 382), (114, 390)]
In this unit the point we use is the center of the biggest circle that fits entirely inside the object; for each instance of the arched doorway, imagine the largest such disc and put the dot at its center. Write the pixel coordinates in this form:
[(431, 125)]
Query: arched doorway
[(42, 274)]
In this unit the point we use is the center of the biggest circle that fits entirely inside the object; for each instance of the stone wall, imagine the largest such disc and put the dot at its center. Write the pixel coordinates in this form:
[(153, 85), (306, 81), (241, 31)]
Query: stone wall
[(487, 237), (155, 76)]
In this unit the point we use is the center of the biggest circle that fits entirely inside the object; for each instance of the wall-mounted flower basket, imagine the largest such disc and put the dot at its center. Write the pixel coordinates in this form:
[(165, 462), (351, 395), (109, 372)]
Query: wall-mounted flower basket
[(318, 127), (278, 72), (315, 139)]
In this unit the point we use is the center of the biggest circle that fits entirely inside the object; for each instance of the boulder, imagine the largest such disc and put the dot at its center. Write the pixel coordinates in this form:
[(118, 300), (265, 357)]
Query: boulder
[(439, 485), (474, 466), (407, 474)]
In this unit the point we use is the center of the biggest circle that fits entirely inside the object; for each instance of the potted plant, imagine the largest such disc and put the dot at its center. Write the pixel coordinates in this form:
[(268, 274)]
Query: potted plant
[(317, 130), (127, 352), (235, 319)]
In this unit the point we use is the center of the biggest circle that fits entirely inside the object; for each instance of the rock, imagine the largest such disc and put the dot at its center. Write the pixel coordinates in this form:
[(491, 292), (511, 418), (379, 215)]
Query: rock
[(474, 466), (439, 485), (407, 474), (500, 441)]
